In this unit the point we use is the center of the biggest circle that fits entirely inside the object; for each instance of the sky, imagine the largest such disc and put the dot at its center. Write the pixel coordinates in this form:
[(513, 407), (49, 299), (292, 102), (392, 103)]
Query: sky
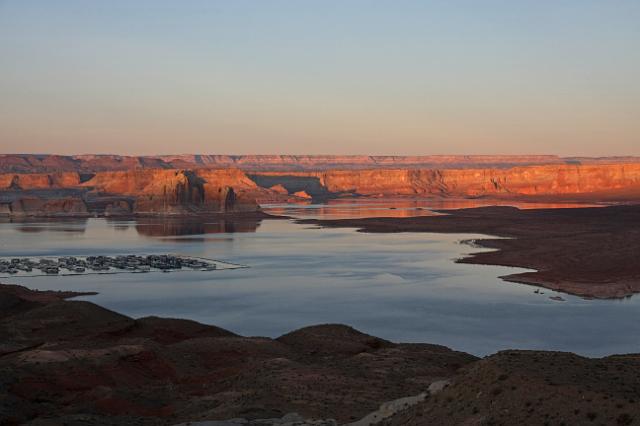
[(392, 77)]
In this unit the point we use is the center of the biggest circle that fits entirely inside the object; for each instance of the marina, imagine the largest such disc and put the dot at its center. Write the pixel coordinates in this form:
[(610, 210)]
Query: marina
[(101, 264)]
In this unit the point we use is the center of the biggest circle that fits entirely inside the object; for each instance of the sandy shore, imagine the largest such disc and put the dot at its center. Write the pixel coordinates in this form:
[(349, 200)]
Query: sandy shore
[(589, 252)]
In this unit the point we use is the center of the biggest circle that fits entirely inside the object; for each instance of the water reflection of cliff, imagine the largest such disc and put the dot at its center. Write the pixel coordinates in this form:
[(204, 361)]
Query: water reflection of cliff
[(35, 225), (351, 208), (176, 227)]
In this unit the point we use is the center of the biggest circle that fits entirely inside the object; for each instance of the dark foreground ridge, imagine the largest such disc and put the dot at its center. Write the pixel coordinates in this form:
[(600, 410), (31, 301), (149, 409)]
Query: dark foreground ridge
[(73, 362), (65, 361), (590, 252)]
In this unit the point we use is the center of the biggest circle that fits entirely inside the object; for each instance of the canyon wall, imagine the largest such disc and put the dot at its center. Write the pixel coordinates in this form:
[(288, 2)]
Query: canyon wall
[(18, 181), (180, 191), (213, 191), (137, 192), (30, 163), (549, 180)]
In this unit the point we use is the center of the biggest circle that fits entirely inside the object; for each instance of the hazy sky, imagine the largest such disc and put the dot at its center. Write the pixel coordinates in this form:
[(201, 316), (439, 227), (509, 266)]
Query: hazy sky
[(333, 77)]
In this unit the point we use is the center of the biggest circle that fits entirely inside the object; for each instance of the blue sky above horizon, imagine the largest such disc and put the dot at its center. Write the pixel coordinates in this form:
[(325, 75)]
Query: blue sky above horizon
[(314, 77)]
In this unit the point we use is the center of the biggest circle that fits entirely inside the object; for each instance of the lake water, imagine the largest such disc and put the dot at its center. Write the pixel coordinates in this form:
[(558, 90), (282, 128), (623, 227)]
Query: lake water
[(402, 287)]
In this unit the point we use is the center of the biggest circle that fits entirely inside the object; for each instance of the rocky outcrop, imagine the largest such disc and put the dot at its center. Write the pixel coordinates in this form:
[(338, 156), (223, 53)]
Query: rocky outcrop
[(550, 180), (177, 192), (279, 189), (532, 388), (139, 191), (302, 194)]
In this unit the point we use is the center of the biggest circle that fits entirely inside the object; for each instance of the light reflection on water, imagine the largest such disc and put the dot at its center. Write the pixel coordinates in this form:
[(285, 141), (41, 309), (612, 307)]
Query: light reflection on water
[(403, 287), (402, 207)]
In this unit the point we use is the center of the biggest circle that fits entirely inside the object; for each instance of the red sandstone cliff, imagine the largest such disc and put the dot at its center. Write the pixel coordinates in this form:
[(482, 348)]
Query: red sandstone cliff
[(17, 181), (549, 180), (139, 191), (203, 191), (180, 191)]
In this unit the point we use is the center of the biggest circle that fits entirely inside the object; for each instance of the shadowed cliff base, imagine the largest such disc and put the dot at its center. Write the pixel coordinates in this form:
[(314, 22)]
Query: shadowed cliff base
[(73, 362), (589, 252)]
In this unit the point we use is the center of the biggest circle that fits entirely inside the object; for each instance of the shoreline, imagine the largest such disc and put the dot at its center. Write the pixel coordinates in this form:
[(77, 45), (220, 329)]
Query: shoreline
[(591, 252), (67, 361)]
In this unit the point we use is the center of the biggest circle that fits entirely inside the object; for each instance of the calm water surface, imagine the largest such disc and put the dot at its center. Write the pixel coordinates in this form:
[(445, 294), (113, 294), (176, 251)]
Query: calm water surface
[(403, 287)]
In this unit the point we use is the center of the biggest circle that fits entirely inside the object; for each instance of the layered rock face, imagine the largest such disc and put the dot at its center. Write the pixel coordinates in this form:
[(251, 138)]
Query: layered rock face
[(550, 180), (202, 191), (29, 163), (17, 181), (140, 192), (326, 162), (179, 191)]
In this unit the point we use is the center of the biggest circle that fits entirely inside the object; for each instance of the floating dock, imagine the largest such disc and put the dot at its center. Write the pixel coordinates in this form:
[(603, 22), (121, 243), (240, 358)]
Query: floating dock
[(107, 264)]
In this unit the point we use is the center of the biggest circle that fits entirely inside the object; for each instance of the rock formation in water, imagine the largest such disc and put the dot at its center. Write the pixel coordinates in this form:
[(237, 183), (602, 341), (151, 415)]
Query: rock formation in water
[(302, 194), (139, 192)]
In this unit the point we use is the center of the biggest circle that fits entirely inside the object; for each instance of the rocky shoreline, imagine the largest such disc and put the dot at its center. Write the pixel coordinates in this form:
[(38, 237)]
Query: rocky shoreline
[(588, 252), (72, 362)]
